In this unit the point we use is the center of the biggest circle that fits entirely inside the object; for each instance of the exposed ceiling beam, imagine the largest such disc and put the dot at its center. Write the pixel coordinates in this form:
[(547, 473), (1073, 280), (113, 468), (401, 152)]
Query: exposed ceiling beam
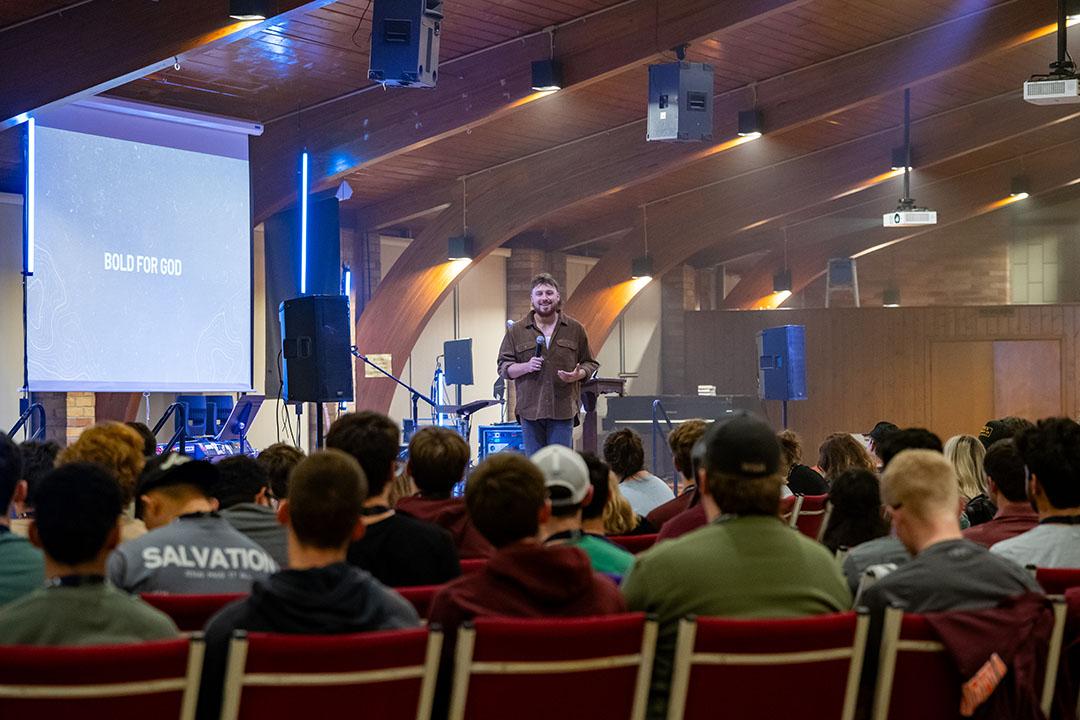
[(99, 45), (373, 125)]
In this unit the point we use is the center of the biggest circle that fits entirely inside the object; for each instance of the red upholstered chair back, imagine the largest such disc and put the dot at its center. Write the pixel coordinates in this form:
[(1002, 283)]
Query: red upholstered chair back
[(387, 675), (787, 509), (811, 515), (634, 543), (471, 565), (190, 612), (802, 668), (1055, 581), (420, 597), (599, 667), (916, 678), (102, 682)]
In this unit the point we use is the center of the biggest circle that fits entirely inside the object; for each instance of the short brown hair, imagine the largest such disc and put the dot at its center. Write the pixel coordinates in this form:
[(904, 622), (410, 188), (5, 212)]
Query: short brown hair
[(114, 446), (326, 492), (279, 459), (624, 452), (437, 460), (544, 279), (372, 439), (681, 441), (504, 496), (741, 495)]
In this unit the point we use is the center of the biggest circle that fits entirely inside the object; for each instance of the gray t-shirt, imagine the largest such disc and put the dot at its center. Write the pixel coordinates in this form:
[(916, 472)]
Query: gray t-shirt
[(260, 524), (646, 493), (879, 551), (199, 553), (1051, 545)]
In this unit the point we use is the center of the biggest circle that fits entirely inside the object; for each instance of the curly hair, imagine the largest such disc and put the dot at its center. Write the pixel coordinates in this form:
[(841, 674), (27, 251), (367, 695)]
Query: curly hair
[(624, 452), (841, 452), (681, 441), (114, 446), (1051, 451)]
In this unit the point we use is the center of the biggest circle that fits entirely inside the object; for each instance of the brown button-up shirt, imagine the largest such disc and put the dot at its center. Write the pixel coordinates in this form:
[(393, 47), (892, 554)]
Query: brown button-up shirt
[(542, 395)]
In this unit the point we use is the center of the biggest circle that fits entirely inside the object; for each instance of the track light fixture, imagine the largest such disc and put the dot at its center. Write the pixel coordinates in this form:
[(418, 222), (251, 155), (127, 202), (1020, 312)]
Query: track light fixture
[(781, 281), (249, 9), (460, 247), (751, 124), (1020, 190), (891, 297), (641, 268), (546, 76)]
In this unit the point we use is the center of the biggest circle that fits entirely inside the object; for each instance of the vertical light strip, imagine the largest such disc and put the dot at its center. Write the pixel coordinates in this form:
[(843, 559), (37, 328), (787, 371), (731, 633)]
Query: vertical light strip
[(31, 161), (348, 282), (303, 221)]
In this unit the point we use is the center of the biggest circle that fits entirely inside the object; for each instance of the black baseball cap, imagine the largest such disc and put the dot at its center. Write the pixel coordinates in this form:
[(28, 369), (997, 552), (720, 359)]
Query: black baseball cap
[(176, 469), (744, 445)]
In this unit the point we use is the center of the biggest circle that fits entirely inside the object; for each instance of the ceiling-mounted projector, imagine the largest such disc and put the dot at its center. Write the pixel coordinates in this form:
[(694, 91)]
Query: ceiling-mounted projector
[(910, 218), (1052, 91)]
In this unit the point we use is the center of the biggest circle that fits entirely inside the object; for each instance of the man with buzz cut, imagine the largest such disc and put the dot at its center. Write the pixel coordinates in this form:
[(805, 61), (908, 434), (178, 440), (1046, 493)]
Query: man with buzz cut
[(320, 593), (190, 549)]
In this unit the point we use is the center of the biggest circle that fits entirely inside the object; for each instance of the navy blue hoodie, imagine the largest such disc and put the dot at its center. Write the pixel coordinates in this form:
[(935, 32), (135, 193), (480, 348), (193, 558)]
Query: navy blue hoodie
[(331, 600)]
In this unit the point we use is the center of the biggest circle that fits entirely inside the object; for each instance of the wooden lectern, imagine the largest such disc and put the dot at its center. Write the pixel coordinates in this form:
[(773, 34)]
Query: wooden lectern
[(590, 390)]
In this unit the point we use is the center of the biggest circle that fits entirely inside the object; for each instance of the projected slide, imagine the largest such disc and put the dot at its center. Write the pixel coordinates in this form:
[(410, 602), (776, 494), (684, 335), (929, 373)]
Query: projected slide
[(143, 267)]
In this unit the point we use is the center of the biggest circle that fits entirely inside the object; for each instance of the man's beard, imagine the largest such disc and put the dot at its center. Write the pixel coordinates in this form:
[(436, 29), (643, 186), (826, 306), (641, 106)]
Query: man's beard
[(552, 309)]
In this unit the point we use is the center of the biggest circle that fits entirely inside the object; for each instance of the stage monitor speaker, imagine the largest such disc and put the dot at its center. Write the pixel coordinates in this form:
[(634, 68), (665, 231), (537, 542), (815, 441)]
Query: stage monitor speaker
[(457, 356), (782, 363), (315, 342), (680, 102), (405, 42), (500, 438)]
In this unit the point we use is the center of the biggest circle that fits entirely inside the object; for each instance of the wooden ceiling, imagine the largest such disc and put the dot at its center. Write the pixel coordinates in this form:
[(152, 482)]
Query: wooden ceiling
[(573, 170)]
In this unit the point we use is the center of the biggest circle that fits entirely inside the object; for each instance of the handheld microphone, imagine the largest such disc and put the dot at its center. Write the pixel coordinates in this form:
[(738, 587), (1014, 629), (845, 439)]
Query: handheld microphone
[(539, 345)]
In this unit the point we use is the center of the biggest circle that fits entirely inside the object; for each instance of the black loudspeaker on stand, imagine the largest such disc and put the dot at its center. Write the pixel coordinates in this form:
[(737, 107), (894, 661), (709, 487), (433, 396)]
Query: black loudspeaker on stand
[(315, 342)]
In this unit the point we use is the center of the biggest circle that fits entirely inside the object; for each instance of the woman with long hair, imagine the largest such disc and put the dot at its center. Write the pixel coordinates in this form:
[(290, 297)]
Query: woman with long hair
[(841, 452), (966, 453), (855, 515)]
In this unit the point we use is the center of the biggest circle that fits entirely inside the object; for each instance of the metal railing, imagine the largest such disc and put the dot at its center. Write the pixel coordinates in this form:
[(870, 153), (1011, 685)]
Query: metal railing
[(658, 439), (181, 434)]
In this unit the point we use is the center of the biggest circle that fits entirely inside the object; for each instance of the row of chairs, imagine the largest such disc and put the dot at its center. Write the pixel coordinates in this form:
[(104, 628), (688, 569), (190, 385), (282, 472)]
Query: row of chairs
[(528, 669)]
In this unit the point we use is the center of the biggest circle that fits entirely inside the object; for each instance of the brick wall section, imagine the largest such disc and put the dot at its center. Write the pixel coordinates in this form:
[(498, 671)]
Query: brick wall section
[(678, 293), (968, 265), (66, 414)]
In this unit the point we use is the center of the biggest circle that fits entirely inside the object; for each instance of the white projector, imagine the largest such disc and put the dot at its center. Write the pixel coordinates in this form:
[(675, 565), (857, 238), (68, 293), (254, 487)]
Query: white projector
[(1052, 91), (910, 218)]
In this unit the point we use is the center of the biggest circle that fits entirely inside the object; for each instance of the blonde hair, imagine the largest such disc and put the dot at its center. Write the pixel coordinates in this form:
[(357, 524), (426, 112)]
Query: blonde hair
[(966, 453), (619, 518), (114, 446), (923, 482)]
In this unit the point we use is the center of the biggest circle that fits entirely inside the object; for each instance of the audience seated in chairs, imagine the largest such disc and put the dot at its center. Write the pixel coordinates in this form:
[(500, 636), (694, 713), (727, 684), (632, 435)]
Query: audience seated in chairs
[(321, 593), (745, 563), (694, 516), (856, 513), (76, 523), (244, 498), (681, 441), (507, 501), (601, 478), (625, 454), (438, 457), (278, 460), (841, 452), (801, 479), (398, 550), (190, 548), (619, 516), (22, 567), (119, 449), (38, 458), (967, 456), (1005, 476), (887, 550), (1051, 453), (569, 490)]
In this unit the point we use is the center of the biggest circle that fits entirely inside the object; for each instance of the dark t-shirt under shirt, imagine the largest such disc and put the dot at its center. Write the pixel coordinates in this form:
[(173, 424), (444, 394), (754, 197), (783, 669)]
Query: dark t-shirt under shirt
[(401, 551)]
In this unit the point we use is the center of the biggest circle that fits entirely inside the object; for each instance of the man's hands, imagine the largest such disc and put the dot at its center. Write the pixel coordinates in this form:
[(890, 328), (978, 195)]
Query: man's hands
[(534, 364), (572, 376)]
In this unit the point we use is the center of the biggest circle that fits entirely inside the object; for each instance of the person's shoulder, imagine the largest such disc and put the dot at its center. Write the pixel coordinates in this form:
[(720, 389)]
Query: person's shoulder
[(1025, 541), (29, 604), (150, 621)]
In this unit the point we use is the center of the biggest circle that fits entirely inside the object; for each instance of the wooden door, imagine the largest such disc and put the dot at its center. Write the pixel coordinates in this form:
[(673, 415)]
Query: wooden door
[(961, 387), (1027, 378)]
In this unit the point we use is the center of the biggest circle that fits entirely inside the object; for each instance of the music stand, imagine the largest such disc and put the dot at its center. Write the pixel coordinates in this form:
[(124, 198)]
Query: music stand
[(240, 420)]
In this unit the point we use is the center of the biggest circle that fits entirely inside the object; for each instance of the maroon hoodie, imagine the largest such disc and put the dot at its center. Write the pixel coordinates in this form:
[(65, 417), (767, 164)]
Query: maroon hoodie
[(528, 580), (449, 513)]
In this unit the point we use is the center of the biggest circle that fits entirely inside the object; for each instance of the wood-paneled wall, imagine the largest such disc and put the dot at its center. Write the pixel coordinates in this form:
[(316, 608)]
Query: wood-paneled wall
[(865, 365)]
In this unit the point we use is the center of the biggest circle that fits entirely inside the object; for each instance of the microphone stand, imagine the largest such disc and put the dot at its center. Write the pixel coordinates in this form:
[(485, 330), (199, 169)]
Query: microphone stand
[(417, 396)]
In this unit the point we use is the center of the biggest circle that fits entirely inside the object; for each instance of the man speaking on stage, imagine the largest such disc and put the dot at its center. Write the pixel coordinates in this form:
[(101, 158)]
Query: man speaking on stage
[(547, 354)]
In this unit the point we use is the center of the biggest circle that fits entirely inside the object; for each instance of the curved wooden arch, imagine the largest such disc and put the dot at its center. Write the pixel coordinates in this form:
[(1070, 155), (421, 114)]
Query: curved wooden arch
[(692, 222)]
